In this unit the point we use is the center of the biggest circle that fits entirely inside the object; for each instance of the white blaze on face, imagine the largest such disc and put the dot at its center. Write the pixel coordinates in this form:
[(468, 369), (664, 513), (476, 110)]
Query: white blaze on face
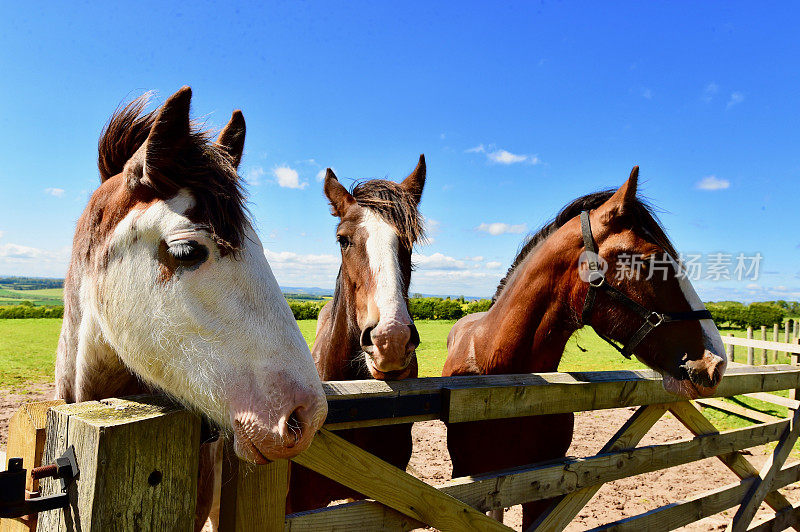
[(382, 253), (220, 337), (711, 337)]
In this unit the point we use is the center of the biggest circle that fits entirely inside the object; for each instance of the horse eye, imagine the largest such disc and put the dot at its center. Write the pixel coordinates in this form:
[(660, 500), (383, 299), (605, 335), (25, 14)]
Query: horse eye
[(344, 241), (189, 253)]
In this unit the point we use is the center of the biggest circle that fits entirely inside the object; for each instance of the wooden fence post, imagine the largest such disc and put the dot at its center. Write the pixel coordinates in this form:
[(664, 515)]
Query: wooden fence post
[(138, 460), (26, 434), (795, 361), (253, 497), (763, 351), (775, 333), (750, 351), (731, 351), (796, 331)]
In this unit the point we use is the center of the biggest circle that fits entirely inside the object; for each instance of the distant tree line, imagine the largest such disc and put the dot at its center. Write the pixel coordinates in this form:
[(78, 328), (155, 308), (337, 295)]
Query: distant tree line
[(737, 315), (421, 308), (26, 309), (30, 283)]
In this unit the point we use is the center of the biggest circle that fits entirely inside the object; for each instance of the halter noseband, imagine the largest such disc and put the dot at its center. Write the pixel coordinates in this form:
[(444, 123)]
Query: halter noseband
[(597, 283)]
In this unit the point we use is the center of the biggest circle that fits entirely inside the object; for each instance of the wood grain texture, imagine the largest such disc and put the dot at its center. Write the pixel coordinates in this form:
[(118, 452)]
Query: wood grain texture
[(558, 516), (681, 513), (747, 511), (138, 464), (253, 497), (26, 435), (787, 347), (340, 460), (574, 394), (696, 422), (359, 515)]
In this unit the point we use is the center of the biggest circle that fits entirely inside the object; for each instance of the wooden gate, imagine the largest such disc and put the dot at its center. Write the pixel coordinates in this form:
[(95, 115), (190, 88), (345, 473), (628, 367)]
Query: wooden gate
[(122, 444)]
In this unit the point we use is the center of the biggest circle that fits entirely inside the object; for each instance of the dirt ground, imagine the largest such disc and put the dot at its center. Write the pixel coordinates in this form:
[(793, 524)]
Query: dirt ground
[(615, 500)]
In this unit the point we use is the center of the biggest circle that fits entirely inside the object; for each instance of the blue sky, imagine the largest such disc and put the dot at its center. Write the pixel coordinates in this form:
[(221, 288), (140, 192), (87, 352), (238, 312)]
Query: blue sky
[(519, 108)]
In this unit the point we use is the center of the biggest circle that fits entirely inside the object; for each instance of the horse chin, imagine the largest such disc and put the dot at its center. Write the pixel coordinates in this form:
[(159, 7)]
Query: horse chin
[(397, 375), (685, 388)]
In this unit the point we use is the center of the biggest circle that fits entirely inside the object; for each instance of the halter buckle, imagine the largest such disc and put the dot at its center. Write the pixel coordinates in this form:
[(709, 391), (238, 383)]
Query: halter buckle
[(655, 319), (596, 279)]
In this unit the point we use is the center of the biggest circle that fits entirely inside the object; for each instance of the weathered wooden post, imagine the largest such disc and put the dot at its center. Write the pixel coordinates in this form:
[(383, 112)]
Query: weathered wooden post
[(796, 330), (253, 496), (26, 436), (750, 351), (764, 351), (795, 361), (775, 333), (731, 351), (138, 460)]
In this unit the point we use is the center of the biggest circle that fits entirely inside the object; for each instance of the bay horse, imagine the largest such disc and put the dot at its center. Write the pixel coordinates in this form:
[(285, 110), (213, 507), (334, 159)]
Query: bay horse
[(169, 289), (366, 329), (565, 277)]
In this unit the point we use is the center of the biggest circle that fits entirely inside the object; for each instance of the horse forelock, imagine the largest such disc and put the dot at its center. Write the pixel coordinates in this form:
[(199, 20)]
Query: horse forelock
[(396, 205), (200, 165)]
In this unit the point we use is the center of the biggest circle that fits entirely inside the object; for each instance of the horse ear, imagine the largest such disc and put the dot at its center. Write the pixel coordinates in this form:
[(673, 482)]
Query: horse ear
[(625, 196), (231, 138), (168, 135), (415, 182), (340, 198)]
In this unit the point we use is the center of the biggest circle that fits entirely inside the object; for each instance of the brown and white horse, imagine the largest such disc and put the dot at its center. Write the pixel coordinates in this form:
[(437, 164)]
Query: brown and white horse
[(366, 329), (169, 288), (543, 300)]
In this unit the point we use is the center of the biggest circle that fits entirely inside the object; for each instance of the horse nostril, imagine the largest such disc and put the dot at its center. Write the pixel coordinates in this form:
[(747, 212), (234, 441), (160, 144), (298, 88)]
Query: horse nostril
[(366, 336), (294, 428), (414, 340)]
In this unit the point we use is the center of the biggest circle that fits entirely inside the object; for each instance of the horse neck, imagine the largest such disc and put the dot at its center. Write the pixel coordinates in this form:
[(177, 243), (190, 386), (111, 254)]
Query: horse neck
[(87, 368), (530, 321), (339, 344)]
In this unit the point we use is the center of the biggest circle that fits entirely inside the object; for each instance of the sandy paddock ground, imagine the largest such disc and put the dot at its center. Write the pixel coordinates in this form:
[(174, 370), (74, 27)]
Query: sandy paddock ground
[(615, 500)]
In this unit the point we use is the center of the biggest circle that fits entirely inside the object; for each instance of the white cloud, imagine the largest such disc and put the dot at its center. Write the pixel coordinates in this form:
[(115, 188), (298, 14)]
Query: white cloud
[(710, 91), (713, 182), (57, 192), (254, 175), (476, 258), (501, 156), (499, 228), (1, 234), (735, 99), (288, 178), (298, 269), (438, 261), (16, 259), (493, 265), (506, 157)]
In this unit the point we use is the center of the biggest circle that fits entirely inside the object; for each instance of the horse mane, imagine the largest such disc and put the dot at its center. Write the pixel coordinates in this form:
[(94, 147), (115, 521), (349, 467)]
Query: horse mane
[(203, 167), (642, 214), (394, 204)]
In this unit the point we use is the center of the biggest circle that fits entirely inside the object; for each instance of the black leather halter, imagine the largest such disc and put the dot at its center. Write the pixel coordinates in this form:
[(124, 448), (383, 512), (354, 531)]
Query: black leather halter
[(597, 283)]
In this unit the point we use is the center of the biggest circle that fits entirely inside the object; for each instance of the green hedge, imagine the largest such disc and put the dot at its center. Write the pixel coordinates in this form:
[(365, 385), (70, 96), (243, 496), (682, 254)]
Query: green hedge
[(735, 314), (27, 310)]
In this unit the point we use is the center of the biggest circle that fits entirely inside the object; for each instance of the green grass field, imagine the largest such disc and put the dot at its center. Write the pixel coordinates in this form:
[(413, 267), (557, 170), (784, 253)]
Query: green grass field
[(27, 354), (42, 296)]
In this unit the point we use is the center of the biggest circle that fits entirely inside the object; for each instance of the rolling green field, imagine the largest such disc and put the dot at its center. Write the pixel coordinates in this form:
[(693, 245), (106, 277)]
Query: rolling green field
[(42, 296)]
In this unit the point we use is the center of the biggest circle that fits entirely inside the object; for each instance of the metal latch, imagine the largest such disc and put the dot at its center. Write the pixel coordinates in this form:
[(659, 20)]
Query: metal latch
[(12, 486)]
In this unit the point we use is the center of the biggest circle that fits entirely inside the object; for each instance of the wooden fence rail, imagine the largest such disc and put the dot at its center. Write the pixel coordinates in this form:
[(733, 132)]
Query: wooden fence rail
[(139, 457)]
